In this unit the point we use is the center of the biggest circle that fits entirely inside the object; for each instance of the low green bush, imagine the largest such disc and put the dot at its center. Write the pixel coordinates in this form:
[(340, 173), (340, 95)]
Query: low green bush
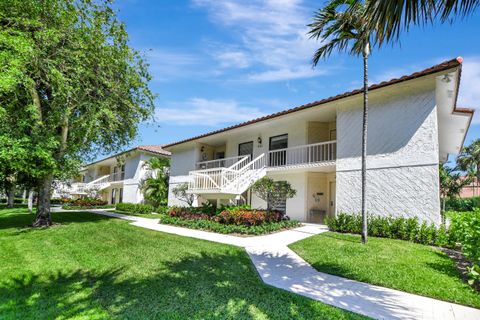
[(15, 200), (134, 208), (211, 225), (71, 207), (464, 230), (462, 204), (386, 227)]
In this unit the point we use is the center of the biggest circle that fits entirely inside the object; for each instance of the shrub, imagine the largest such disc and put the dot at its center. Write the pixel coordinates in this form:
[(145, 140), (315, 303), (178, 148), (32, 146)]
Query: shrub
[(162, 209), (249, 217), (15, 200), (462, 204), (83, 203), (385, 227), (211, 225), (134, 208), (465, 229)]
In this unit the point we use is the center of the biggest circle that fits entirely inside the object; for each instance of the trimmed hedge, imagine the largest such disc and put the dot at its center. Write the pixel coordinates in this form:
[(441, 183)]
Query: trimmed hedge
[(70, 207), (409, 229), (211, 225), (134, 208), (15, 200), (462, 204)]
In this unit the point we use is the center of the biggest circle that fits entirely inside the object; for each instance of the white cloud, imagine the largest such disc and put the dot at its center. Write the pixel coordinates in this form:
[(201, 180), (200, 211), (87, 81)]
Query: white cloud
[(170, 64), (271, 34), (469, 95), (201, 111), (232, 59)]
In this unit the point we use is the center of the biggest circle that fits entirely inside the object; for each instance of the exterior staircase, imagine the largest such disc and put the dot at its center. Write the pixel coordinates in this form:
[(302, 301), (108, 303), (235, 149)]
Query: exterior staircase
[(233, 180), (81, 188)]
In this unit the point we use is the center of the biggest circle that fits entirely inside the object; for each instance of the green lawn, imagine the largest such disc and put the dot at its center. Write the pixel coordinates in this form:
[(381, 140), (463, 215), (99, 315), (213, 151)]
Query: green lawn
[(390, 263), (94, 267)]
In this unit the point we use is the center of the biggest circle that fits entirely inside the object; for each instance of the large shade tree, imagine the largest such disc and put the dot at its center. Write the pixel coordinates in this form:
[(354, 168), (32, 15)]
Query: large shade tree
[(341, 25), (72, 82)]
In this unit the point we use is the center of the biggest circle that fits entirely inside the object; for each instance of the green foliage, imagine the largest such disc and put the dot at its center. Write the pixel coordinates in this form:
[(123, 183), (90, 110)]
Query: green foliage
[(386, 227), (70, 87), (16, 200), (341, 25), (451, 183), (155, 185), (462, 204), (273, 192), (465, 230), (134, 208), (211, 225)]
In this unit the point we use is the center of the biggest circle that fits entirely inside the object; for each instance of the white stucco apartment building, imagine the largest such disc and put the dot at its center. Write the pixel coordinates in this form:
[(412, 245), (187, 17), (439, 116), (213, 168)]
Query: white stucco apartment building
[(414, 123), (117, 178)]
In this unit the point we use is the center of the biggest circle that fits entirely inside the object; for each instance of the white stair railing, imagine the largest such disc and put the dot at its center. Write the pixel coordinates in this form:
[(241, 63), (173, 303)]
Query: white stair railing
[(234, 179)]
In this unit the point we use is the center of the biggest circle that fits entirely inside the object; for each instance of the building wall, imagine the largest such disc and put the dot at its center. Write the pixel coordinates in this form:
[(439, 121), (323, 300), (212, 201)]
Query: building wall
[(296, 206), (402, 159)]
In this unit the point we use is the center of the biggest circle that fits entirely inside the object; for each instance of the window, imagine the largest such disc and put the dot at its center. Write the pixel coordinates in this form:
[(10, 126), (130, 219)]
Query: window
[(246, 149), (278, 158), (120, 195), (122, 174)]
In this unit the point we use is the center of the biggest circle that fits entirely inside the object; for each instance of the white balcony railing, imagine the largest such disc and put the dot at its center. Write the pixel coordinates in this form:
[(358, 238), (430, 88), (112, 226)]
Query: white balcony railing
[(218, 163), (116, 176), (301, 155)]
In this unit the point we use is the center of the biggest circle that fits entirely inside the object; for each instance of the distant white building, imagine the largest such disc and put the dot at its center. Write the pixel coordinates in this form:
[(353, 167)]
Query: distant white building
[(116, 178), (414, 123)]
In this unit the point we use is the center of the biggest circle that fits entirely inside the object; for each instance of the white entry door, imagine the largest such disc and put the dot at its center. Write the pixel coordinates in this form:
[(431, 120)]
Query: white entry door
[(332, 198)]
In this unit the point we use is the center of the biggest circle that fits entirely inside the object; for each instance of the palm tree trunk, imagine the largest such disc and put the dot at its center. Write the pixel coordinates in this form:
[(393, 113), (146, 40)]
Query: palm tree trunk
[(366, 52)]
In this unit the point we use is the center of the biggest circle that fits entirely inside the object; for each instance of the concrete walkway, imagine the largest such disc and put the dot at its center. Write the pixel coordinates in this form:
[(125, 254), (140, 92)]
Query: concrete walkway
[(280, 267)]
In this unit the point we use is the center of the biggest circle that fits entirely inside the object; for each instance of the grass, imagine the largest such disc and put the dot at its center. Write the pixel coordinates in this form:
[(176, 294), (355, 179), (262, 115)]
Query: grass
[(390, 263), (89, 266)]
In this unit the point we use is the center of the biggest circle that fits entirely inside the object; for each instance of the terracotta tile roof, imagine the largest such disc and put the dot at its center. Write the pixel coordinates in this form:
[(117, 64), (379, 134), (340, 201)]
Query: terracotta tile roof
[(457, 62), (158, 149), (155, 149)]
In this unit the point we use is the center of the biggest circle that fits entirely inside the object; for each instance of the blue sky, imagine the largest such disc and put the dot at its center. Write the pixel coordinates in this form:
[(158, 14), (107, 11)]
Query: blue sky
[(219, 62)]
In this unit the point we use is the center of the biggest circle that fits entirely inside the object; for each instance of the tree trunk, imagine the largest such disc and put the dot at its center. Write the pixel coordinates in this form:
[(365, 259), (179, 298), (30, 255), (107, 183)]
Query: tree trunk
[(30, 201), (43, 217), (366, 52), (11, 197)]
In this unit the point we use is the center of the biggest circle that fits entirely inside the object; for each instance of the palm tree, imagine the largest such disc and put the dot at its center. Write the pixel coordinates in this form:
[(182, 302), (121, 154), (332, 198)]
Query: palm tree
[(390, 16), (451, 183), (469, 160), (342, 25), (155, 185)]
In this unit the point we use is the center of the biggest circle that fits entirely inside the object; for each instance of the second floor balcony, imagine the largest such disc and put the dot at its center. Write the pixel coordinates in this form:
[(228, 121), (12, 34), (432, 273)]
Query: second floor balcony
[(297, 156)]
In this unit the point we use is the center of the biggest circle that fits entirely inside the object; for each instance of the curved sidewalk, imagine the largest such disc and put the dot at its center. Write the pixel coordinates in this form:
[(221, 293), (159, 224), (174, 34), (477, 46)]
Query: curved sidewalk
[(280, 267)]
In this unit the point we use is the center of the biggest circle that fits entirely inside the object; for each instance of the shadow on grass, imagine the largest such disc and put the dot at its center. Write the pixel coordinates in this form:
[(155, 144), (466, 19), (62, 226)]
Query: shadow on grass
[(203, 286), (19, 218)]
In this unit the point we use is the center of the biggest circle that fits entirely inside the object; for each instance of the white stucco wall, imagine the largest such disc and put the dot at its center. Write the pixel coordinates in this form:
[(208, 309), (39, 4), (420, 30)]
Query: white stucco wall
[(296, 206), (402, 159)]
